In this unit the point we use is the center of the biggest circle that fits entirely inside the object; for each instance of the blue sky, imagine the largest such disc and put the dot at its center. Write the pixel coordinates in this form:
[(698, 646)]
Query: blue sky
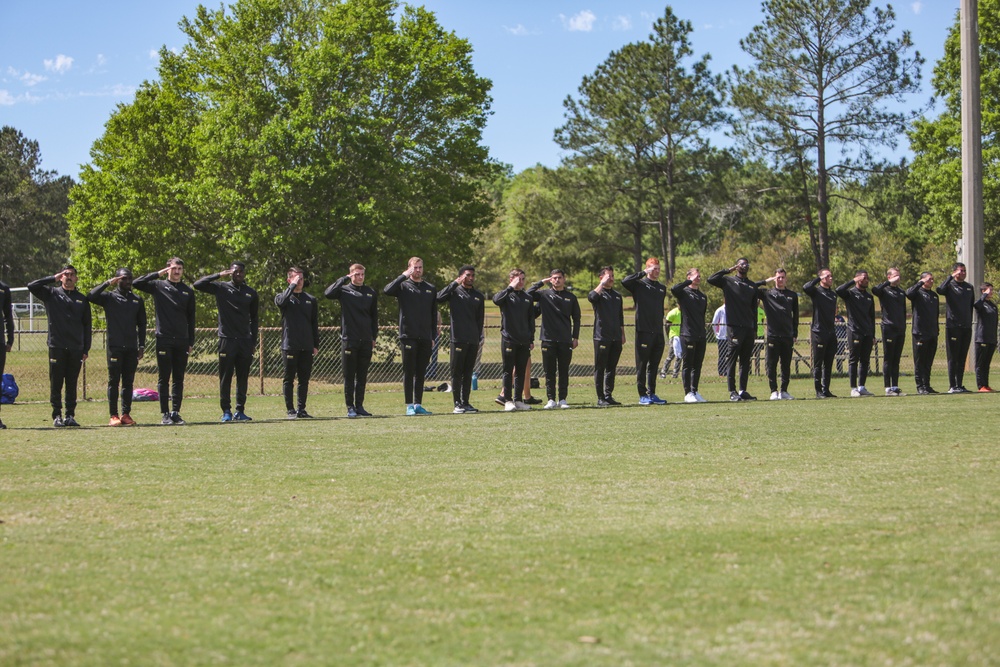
[(66, 64)]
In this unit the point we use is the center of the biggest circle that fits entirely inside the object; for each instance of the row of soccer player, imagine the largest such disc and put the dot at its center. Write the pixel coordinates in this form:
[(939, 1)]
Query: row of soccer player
[(70, 331)]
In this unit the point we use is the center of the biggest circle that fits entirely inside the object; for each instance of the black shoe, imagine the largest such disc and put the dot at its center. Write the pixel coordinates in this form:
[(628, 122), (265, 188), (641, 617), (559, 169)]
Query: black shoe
[(292, 414), (362, 412), (302, 414), (922, 391), (827, 394), (611, 401), (931, 390), (166, 421), (964, 390), (744, 396), (469, 408), (734, 396), (601, 403), (820, 394), (2, 426), (533, 401), (57, 421), (70, 421), (500, 400), (175, 418)]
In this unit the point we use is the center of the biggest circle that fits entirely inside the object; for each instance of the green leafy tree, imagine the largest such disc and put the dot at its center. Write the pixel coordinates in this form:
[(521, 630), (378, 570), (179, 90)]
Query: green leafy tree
[(310, 132), (936, 172), (640, 128), (819, 93), (33, 204)]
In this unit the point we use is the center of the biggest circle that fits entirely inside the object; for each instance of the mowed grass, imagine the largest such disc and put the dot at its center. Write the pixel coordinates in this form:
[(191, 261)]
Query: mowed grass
[(850, 532)]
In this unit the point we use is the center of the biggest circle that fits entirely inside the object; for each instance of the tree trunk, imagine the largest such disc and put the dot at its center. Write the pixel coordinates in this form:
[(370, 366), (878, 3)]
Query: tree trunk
[(822, 202)]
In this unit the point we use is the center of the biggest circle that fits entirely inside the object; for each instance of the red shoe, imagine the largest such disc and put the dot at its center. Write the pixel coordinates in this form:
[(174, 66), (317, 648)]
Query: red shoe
[(115, 421), (985, 390), (127, 420)]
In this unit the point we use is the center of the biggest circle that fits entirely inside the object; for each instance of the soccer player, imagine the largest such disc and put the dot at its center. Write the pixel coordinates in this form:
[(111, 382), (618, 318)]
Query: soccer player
[(958, 298), (860, 330), (740, 294), (7, 322), (823, 333), (358, 333), (986, 336), (299, 339), (417, 320), (467, 307), (925, 330), (692, 305), (675, 349), (609, 335), (238, 306), (560, 334), (174, 304), (781, 308), (893, 302), (517, 331), (125, 313), (648, 294), (68, 314)]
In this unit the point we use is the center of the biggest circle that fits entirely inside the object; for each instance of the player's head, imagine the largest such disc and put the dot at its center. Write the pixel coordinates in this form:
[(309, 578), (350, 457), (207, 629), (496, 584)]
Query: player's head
[(239, 274), (175, 269), (653, 268)]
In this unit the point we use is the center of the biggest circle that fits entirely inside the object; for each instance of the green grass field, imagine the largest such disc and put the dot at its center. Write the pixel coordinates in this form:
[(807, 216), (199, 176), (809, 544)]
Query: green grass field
[(841, 532)]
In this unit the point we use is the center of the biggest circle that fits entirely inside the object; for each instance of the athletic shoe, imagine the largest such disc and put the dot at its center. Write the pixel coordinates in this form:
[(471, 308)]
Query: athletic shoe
[(3, 426), (115, 421), (785, 396), (864, 391), (601, 403), (127, 420), (500, 400), (563, 404), (532, 401), (611, 401), (509, 406), (362, 412), (690, 397), (551, 404), (890, 391), (70, 421), (701, 399), (351, 413), (744, 396), (734, 396), (656, 400), (302, 414), (985, 390), (645, 400), (459, 410), (166, 421), (227, 416), (522, 405), (820, 394), (663, 375), (175, 418), (855, 393), (411, 411), (964, 390), (469, 409), (957, 390), (242, 417), (421, 410), (58, 422), (922, 391), (931, 390), (775, 396), (828, 394)]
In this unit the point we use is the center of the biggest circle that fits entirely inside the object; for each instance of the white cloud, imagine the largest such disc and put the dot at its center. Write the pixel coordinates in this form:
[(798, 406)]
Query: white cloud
[(621, 23), (30, 79), (60, 65), (917, 6), (518, 30), (154, 54), (6, 99), (101, 60), (582, 22)]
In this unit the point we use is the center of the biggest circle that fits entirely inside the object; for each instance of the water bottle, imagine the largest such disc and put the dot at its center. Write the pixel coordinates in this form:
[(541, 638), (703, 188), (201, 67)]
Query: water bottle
[(475, 382)]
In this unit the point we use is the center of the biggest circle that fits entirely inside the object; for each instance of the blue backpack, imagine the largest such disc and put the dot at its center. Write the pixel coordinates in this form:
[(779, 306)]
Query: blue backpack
[(9, 389)]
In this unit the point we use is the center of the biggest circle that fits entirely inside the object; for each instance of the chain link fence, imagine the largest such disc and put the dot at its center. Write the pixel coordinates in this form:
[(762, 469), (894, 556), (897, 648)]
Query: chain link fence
[(28, 361)]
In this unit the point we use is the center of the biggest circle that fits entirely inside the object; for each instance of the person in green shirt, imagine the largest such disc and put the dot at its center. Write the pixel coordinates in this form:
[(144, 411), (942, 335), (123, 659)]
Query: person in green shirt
[(672, 327)]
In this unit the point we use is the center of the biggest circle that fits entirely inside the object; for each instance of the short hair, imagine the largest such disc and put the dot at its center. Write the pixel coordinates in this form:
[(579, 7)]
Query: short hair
[(824, 269), (605, 269), (651, 261), (956, 266), (982, 288), (124, 271), (355, 267), (296, 269), (780, 270), (239, 264), (925, 275), (175, 260), (413, 260), (466, 267), (742, 259), (514, 272), (69, 267), (559, 271), (891, 269), (859, 272), (690, 271)]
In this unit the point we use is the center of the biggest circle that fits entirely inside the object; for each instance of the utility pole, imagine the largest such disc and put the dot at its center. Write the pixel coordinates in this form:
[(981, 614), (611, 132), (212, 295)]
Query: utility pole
[(971, 251)]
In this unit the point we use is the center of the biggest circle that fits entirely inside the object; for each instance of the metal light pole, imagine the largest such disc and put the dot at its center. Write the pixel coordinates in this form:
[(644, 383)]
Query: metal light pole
[(972, 149)]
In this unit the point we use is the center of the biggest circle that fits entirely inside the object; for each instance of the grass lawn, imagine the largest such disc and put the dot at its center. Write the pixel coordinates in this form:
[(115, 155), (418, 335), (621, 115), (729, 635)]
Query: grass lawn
[(847, 532)]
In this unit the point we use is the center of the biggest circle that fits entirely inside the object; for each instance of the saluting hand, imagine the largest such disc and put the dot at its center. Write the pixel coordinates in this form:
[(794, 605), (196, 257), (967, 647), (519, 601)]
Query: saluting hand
[(115, 280), (164, 271), (227, 272)]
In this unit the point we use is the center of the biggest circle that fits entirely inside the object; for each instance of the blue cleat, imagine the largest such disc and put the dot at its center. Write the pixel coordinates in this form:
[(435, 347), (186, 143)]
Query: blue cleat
[(242, 417), (351, 413), (645, 400), (420, 410), (656, 400), (227, 416), (410, 411)]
